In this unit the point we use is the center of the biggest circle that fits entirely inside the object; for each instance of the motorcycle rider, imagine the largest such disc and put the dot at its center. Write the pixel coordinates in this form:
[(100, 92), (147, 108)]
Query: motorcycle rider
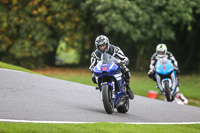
[(103, 45), (161, 52)]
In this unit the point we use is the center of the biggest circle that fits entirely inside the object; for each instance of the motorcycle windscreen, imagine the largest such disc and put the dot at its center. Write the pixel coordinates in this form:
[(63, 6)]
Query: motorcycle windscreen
[(107, 58), (106, 64), (164, 69)]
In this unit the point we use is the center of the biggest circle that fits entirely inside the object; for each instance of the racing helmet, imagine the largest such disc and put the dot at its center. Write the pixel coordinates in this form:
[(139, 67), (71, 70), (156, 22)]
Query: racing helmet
[(100, 41), (161, 50)]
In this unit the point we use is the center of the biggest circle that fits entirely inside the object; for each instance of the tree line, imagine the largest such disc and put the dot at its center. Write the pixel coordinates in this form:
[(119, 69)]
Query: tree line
[(30, 31)]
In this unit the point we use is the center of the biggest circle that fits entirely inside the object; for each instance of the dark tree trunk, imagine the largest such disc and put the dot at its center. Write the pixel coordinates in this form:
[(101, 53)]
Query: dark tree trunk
[(50, 57), (139, 57), (191, 62)]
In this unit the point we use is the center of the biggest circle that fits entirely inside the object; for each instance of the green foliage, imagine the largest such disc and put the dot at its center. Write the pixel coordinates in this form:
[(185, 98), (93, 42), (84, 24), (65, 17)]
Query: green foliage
[(66, 54), (138, 26), (141, 20), (33, 29)]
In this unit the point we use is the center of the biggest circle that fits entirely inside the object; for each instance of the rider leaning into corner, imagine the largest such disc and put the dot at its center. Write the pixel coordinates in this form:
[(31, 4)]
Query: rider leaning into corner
[(103, 45), (161, 52)]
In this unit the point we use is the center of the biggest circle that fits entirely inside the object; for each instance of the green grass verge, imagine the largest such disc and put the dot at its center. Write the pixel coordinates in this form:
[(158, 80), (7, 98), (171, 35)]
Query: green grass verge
[(13, 67), (101, 127)]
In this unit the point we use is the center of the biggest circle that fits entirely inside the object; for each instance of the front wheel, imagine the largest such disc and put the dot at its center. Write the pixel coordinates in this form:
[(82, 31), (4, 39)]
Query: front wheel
[(167, 91), (108, 101)]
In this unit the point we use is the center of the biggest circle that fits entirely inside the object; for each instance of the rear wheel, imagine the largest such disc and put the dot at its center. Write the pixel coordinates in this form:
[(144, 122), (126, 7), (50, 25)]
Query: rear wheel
[(167, 91), (108, 101)]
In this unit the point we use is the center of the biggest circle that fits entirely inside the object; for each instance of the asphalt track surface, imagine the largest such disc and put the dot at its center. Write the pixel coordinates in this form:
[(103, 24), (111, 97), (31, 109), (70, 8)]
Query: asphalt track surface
[(31, 97)]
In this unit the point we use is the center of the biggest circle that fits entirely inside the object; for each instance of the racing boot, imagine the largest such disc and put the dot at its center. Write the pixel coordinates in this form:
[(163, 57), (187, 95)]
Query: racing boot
[(130, 92), (127, 76), (94, 81)]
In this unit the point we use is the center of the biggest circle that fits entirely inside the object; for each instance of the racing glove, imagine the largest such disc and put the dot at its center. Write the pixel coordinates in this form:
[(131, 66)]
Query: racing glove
[(91, 69), (177, 70), (118, 62), (150, 73)]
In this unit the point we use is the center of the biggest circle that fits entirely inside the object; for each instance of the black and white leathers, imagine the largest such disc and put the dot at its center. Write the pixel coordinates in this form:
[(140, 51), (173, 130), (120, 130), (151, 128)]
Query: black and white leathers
[(117, 53), (112, 50), (168, 55)]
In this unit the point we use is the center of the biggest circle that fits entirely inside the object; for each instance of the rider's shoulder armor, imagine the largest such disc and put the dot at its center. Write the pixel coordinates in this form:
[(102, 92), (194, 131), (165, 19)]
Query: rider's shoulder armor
[(97, 54), (169, 54), (153, 57)]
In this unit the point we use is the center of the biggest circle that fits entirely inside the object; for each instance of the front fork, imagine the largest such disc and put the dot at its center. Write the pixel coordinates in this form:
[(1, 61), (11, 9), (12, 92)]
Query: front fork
[(112, 85), (172, 83)]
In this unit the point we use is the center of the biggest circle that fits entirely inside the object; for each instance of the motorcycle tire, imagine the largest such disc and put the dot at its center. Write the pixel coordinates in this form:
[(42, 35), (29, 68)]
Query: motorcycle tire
[(108, 101), (167, 91)]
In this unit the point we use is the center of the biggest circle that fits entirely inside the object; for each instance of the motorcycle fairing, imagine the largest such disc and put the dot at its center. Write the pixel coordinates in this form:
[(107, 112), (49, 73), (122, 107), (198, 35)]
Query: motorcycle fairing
[(166, 72), (107, 69), (164, 69)]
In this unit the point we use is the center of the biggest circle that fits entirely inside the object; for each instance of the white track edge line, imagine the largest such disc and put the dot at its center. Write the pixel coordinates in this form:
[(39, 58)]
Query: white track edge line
[(11, 70), (75, 122)]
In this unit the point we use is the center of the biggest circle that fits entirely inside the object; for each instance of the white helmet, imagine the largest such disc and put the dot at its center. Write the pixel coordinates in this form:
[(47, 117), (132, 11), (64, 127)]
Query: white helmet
[(102, 40), (161, 50)]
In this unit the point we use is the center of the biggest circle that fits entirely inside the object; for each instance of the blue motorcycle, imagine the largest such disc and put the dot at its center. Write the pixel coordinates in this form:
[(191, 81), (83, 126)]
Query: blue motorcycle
[(166, 78), (111, 84)]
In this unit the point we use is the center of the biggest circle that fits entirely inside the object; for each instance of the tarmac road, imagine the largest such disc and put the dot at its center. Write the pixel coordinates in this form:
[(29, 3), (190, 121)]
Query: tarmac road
[(25, 96)]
